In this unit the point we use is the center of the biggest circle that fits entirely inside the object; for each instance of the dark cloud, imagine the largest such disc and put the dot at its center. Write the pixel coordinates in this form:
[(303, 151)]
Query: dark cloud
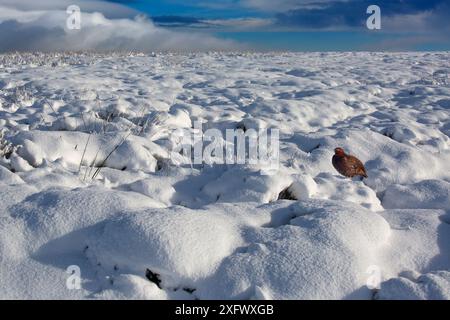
[(351, 13), (179, 21)]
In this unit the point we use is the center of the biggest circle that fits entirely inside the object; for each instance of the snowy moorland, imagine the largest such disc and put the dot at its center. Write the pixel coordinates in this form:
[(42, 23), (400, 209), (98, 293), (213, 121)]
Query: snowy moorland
[(89, 185)]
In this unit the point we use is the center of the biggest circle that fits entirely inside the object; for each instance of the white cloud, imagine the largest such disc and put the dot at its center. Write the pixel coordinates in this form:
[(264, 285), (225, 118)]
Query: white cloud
[(43, 28), (416, 22), (108, 9), (425, 22)]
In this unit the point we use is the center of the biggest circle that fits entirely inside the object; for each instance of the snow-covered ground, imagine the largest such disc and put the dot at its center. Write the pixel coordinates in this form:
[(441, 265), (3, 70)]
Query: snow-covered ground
[(145, 226)]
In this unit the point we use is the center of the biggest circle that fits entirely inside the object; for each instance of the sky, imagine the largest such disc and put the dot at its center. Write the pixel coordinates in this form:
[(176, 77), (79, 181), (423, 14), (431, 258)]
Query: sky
[(297, 25)]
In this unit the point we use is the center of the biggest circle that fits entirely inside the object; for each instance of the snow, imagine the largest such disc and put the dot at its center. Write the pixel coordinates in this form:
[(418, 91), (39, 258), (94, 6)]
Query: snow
[(420, 241), (9, 178), (303, 187), (426, 194), (321, 251), (431, 286), (89, 176), (70, 146), (203, 239)]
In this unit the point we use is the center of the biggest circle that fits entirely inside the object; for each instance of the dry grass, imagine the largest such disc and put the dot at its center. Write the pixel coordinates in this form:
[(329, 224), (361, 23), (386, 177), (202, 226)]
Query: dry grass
[(6, 148)]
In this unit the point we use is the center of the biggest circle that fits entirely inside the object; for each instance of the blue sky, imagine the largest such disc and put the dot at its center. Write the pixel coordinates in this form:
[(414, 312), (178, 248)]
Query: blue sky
[(308, 25), (192, 25)]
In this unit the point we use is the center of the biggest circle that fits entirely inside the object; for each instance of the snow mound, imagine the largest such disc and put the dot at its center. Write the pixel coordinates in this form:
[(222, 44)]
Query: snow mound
[(74, 148), (343, 189), (157, 189), (328, 186), (303, 187), (160, 124), (242, 184), (8, 177), (427, 194), (182, 245), (49, 215), (132, 287), (323, 253), (430, 286), (420, 242)]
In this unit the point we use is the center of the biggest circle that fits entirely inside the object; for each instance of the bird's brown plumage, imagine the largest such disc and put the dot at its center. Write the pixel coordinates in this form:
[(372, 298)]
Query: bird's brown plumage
[(348, 165)]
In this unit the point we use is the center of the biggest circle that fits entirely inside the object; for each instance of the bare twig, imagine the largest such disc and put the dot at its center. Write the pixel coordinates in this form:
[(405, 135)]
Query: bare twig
[(107, 157), (84, 153)]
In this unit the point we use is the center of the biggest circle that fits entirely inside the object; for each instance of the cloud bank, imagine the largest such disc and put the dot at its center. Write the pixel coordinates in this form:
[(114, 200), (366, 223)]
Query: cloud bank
[(397, 15), (337, 15), (41, 26)]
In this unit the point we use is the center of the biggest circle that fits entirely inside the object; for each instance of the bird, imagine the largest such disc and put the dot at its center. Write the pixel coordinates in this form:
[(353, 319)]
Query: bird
[(348, 165)]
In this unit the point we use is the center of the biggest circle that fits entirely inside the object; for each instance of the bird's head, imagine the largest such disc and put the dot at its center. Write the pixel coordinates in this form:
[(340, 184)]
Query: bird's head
[(339, 151)]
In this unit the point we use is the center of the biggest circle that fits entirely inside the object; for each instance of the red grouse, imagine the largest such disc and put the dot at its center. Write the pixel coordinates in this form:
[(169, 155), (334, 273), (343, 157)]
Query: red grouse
[(348, 165)]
